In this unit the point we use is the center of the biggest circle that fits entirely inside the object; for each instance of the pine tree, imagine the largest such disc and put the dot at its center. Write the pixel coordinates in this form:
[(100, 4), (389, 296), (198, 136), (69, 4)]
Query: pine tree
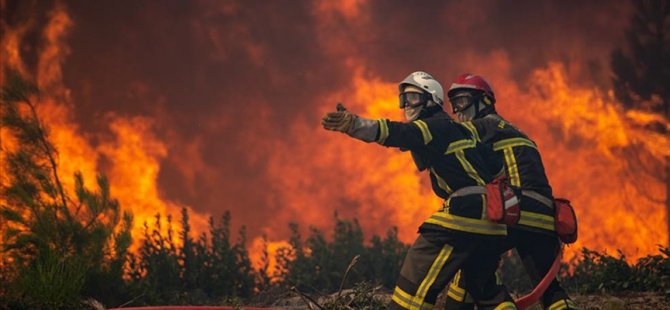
[(58, 244), (642, 69)]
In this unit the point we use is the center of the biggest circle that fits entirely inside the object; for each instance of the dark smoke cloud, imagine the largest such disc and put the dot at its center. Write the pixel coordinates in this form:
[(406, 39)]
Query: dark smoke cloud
[(222, 78)]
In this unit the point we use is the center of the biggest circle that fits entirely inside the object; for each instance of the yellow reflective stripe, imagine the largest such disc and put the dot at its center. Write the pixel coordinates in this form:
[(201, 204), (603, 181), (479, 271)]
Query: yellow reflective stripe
[(406, 300), (469, 169), (457, 278), (425, 132), (460, 145), (383, 131), (508, 305), (512, 167), (456, 292), (441, 182), (477, 226), (513, 142), (401, 298), (471, 127), (563, 304), (537, 220), (434, 270)]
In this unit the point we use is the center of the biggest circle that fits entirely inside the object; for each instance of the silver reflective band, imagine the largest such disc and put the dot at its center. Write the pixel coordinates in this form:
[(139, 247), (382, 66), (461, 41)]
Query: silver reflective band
[(468, 190), (539, 197), (364, 129)]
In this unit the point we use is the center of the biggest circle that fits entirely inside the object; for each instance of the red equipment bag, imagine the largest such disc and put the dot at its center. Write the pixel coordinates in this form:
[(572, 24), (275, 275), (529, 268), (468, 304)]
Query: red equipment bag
[(566, 220), (502, 204)]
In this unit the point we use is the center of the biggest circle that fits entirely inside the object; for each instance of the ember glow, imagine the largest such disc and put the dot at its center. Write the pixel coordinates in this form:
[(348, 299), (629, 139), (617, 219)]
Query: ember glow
[(215, 106)]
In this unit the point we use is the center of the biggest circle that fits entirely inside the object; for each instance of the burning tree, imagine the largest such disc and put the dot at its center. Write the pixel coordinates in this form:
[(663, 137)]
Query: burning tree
[(56, 242), (642, 70)]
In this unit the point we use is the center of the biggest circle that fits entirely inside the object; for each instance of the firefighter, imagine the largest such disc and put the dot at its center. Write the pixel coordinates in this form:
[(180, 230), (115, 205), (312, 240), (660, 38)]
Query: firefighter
[(458, 235), (473, 101)]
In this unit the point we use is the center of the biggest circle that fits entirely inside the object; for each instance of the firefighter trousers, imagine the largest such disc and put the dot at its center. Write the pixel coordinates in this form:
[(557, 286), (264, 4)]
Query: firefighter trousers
[(432, 262), (537, 252)]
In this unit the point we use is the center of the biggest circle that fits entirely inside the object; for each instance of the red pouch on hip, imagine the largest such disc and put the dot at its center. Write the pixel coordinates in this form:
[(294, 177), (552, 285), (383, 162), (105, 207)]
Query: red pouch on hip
[(502, 204), (566, 220)]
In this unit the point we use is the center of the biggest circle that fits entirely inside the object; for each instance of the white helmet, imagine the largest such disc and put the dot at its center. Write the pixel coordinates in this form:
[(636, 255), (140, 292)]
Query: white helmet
[(426, 82)]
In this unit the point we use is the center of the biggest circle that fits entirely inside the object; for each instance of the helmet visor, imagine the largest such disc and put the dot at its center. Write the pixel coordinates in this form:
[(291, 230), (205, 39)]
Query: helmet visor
[(412, 99), (461, 102)]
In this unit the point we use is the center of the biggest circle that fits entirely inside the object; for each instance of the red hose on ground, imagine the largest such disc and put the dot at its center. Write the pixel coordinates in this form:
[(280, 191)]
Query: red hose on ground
[(528, 300), (190, 308)]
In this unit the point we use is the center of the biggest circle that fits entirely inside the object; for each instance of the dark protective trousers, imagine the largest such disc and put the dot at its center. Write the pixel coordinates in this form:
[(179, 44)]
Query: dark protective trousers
[(537, 252), (431, 263)]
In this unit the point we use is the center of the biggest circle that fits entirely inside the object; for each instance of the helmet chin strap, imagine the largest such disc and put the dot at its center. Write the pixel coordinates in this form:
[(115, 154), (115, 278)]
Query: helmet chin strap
[(468, 114), (423, 111), (412, 114), (475, 111)]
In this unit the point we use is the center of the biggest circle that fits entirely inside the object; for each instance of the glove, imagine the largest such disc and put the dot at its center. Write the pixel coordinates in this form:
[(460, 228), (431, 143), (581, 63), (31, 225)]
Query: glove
[(351, 124), (341, 120)]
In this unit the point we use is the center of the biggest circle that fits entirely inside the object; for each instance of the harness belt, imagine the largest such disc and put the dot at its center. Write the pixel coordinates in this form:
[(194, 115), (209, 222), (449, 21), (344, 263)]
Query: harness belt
[(539, 197), (478, 190), (468, 190)]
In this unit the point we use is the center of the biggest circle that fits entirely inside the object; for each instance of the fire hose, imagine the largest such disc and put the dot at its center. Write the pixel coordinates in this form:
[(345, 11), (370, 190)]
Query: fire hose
[(528, 300)]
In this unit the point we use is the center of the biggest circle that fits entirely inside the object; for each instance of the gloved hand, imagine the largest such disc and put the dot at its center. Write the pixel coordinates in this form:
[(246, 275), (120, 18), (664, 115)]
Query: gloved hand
[(342, 120)]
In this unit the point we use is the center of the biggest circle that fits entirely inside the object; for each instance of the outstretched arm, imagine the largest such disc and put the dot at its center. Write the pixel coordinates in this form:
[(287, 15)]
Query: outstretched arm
[(396, 134)]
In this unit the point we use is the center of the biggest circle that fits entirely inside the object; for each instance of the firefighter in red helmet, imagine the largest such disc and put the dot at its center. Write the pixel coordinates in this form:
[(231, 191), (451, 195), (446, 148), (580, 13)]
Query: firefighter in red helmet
[(473, 101), (458, 236)]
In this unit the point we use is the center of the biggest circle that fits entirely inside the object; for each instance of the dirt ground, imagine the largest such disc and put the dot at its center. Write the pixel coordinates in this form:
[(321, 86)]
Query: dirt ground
[(629, 300)]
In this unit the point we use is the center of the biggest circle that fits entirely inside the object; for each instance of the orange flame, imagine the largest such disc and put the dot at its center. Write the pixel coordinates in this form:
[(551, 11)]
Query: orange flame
[(133, 151), (585, 138)]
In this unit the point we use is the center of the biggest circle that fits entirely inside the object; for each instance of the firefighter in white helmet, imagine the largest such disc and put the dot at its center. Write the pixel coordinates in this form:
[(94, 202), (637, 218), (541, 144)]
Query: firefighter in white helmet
[(473, 101), (458, 235)]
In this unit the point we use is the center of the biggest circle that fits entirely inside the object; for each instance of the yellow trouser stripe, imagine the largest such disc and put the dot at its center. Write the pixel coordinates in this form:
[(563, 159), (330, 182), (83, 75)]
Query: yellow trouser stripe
[(513, 142), (563, 304), (455, 292), (508, 305), (427, 137), (460, 145), (406, 300), (476, 226), (537, 220), (434, 270), (512, 168), (468, 168), (383, 131), (441, 182), (457, 278), (401, 298), (471, 127)]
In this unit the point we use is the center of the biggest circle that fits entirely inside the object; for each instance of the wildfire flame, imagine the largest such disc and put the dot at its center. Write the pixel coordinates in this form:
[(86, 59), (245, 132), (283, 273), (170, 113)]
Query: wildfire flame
[(133, 151), (586, 141)]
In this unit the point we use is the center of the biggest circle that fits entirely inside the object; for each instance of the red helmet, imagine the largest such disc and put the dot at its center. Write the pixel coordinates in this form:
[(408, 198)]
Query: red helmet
[(470, 81)]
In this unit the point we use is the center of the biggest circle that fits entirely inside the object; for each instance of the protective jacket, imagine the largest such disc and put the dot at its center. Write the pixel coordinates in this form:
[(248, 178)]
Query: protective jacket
[(454, 160), (524, 168)]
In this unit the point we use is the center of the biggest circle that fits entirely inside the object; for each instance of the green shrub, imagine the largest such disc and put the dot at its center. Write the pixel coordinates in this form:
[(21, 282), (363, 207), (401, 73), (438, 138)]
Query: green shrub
[(597, 272), (210, 270), (317, 265)]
